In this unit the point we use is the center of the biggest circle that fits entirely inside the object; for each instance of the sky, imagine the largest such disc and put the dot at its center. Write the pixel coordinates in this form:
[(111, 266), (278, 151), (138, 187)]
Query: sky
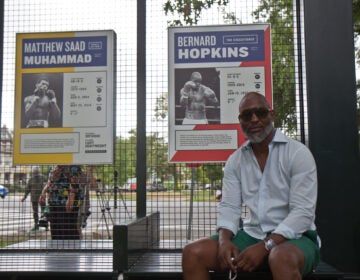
[(52, 15), (68, 15), (24, 16)]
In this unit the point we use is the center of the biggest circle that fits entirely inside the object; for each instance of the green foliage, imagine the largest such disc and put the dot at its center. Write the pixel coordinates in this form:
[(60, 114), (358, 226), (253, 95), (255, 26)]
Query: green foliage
[(279, 15), (8, 240), (161, 107), (356, 18), (189, 11), (156, 157), (125, 162), (214, 172)]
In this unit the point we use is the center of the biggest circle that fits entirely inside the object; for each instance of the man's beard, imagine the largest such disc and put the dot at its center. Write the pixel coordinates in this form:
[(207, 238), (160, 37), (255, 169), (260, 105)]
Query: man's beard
[(259, 138)]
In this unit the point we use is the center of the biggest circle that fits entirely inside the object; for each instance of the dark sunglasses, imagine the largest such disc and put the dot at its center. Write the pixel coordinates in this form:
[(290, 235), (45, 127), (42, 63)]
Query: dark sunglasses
[(261, 113)]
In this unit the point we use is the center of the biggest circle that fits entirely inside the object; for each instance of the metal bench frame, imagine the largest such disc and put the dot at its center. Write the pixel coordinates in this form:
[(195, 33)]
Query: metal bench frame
[(136, 255)]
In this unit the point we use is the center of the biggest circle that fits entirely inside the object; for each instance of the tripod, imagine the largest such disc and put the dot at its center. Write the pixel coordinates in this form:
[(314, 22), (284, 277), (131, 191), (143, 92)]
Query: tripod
[(105, 208), (116, 191)]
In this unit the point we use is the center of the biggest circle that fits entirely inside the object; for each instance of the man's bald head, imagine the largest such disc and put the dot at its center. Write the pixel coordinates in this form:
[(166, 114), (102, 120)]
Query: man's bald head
[(251, 95), (196, 77)]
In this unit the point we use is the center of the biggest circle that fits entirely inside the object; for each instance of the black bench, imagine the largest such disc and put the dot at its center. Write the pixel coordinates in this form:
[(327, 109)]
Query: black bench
[(136, 255), (37, 259), (132, 239)]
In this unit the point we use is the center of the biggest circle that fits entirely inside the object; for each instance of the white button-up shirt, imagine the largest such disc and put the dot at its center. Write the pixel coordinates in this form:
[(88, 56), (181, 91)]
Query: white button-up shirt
[(281, 199)]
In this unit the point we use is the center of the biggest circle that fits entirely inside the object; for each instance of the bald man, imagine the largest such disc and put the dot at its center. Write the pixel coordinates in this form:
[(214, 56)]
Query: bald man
[(275, 177)]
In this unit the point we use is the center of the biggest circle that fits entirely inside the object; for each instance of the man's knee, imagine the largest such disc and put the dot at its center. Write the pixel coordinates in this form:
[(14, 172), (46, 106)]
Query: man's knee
[(190, 257), (200, 256), (199, 249), (191, 250), (286, 257)]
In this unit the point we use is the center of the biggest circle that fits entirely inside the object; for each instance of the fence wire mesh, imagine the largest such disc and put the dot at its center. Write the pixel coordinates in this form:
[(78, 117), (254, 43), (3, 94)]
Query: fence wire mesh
[(185, 197)]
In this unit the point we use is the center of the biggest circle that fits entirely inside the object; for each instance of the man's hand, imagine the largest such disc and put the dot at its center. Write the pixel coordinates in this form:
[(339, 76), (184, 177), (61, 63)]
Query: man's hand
[(190, 85), (251, 258), (70, 202), (42, 199), (50, 94), (227, 250)]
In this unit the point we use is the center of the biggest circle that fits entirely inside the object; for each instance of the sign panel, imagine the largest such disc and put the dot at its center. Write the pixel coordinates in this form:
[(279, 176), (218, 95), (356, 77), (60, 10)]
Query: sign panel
[(64, 98), (210, 70)]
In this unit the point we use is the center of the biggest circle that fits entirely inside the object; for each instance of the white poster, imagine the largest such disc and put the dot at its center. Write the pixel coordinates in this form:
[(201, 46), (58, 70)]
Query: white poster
[(210, 70)]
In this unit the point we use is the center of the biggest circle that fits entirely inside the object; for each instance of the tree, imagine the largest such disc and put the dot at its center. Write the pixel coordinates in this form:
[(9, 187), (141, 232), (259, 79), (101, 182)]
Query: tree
[(189, 11), (125, 162), (156, 157), (279, 14), (161, 114), (356, 20), (161, 107), (214, 172)]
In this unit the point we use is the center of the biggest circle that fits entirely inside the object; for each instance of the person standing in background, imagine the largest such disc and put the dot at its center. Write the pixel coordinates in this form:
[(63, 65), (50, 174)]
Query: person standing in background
[(65, 194), (34, 187)]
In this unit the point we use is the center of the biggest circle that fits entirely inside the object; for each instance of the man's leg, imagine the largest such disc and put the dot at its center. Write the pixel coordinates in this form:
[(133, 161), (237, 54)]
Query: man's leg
[(286, 262), (295, 258), (35, 208), (198, 258)]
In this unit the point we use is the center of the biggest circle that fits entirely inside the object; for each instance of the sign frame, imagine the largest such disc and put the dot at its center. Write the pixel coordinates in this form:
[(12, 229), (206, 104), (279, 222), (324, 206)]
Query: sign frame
[(64, 98), (230, 61)]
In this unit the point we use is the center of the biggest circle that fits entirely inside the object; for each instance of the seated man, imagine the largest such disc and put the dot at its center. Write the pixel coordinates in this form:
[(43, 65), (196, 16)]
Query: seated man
[(275, 177)]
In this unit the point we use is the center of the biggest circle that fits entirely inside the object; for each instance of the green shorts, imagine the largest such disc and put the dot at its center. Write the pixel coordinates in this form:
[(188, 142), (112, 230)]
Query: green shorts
[(307, 244)]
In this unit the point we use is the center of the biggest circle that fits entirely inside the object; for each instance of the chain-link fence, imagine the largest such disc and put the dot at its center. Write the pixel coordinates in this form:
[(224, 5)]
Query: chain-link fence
[(186, 197)]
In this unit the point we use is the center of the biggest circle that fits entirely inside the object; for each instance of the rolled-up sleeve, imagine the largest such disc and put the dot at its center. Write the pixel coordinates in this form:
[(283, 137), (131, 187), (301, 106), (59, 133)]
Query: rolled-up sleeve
[(302, 197)]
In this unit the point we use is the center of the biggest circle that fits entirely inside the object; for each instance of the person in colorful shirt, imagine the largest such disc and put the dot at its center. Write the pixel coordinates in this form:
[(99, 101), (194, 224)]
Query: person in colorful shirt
[(65, 191)]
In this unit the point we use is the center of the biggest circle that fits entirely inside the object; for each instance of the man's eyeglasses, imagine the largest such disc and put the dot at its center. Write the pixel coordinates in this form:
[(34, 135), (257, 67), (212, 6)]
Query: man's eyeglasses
[(246, 115)]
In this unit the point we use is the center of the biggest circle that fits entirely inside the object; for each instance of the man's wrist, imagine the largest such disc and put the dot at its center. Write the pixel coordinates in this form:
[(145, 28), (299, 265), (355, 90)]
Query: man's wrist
[(225, 235), (269, 244)]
